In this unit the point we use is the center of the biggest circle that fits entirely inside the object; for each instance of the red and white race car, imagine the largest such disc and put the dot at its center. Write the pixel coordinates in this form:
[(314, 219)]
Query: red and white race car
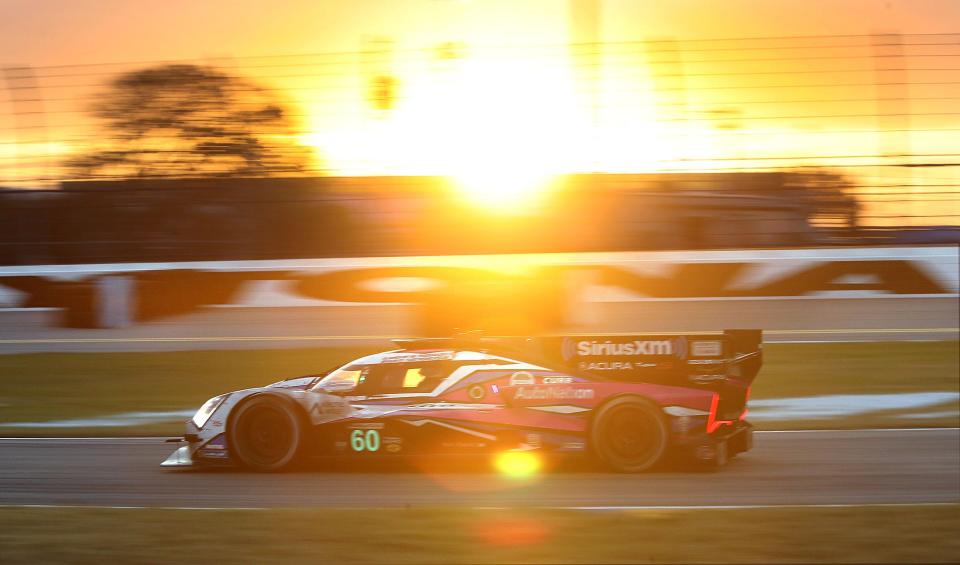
[(627, 400)]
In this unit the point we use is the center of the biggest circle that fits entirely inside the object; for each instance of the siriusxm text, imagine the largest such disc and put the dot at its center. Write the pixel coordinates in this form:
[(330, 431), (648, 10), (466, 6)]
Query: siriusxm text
[(637, 347)]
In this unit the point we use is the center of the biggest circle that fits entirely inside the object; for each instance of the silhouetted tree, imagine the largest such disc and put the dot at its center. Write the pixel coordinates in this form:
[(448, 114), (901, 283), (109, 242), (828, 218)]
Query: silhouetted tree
[(190, 121), (828, 196)]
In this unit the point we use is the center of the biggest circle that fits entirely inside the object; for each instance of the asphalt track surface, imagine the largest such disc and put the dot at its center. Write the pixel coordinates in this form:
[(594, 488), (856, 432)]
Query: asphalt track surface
[(785, 468)]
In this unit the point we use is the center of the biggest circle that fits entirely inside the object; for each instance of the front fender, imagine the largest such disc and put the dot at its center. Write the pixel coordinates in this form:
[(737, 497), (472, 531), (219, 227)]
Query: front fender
[(318, 407)]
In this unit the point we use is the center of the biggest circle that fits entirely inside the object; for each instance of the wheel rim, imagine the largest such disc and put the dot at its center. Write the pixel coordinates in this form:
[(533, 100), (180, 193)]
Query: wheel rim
[(632, 436), (265, 434)]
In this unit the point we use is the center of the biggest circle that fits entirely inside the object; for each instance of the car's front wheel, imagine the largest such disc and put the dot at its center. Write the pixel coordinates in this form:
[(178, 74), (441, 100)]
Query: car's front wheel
[(629, 434), (265, 434)]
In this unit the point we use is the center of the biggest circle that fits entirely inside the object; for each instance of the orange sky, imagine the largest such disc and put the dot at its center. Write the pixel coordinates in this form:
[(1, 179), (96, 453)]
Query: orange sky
[(57, 32), (549, 120)]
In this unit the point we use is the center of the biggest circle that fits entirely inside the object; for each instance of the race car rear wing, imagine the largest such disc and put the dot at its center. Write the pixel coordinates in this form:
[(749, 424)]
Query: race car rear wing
[(692, 358), (700, 359)]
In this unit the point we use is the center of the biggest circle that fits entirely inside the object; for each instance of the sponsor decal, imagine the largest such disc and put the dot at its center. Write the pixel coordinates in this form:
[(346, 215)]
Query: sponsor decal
[(533, 440), (393, 444), (553, 393), (613, 365), (636, 347), (707, 349), (557, 380), (463, 444), (417, 357), (574, 445), (367, 426), (708, 378), (572, 348), (445, 406), (476, 392), (521, 378), (215, 448), (334, 386), (329, 407)]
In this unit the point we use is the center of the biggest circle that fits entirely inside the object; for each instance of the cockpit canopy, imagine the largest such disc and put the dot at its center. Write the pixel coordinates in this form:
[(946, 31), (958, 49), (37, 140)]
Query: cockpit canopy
[(404, 372)]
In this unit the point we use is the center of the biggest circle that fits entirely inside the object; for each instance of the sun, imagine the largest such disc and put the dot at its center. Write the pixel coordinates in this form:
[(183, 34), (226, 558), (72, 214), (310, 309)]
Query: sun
[(502, 130), (507, 171)]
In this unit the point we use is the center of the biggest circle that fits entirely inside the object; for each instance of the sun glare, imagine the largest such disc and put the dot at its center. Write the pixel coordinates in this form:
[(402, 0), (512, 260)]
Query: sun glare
[(500, 128), (506, 189), (504, 129)]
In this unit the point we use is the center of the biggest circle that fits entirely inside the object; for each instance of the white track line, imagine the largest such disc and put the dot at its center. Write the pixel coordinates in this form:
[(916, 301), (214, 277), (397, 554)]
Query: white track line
[(856, 430), (150, 438), (28, 341), (755, 506), (160, 439), (487, 508)]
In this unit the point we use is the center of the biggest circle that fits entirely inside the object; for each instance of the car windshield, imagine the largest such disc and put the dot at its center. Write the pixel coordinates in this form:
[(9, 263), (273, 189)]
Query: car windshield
[(343, 379)]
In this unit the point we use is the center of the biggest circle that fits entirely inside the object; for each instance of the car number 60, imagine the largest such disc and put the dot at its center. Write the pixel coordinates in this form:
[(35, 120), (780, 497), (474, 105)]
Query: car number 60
[(365, 440)]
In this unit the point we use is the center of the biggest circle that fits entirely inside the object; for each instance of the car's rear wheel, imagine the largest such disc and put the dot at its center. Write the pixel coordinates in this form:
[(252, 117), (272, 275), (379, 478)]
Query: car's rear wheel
[(265, 434), (629, 434)]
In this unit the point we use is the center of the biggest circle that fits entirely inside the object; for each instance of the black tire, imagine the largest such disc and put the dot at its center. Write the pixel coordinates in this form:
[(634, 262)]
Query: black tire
[(629, 434), (265, 434)]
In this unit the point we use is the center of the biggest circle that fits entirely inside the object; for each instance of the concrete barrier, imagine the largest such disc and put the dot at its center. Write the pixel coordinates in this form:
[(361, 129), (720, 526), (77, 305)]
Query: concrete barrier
[(878, 288)]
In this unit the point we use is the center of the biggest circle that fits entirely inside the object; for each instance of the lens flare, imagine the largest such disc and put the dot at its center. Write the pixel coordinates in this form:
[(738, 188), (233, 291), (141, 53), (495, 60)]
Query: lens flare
[(506, 530), (517, 464)]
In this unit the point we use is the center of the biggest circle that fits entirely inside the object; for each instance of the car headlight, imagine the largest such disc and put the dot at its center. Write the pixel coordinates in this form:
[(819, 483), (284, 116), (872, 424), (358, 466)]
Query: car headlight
[(207, 410)]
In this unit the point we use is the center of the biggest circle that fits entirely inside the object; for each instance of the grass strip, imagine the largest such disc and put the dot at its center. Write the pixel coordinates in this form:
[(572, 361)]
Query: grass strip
[(895, 534), (59, 386), (809, 369)]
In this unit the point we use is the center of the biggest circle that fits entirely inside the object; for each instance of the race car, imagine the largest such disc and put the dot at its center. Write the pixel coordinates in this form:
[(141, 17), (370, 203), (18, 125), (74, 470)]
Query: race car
[(629, 401)]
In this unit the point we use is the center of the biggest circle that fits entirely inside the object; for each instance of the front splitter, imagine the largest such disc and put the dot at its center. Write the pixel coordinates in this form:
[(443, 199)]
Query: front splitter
[(179, 458)]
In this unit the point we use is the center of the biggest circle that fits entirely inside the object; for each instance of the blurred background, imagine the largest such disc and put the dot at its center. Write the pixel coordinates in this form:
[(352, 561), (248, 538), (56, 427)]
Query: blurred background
[(473, 127), (420, 135), (198, 197)]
